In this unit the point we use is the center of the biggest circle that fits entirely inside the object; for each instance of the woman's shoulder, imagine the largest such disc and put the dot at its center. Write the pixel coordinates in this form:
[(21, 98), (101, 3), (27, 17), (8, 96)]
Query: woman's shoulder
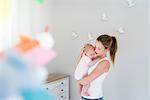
[(104, 63)]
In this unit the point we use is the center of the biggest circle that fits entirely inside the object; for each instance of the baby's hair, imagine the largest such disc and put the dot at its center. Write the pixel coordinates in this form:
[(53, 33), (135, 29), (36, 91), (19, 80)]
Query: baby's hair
[(86, 45)]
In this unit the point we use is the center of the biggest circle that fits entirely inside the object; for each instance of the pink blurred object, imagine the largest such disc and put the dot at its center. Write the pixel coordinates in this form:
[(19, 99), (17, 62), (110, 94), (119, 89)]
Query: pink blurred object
[(40, 56), (46, 29), (1, 55)]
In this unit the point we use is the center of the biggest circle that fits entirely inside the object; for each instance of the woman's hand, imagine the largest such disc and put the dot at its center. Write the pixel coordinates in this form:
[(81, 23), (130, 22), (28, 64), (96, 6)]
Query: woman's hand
[(83, 82)]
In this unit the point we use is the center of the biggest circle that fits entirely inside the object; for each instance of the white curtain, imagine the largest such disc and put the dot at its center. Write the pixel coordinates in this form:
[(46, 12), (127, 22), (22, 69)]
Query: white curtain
[(15, 18)]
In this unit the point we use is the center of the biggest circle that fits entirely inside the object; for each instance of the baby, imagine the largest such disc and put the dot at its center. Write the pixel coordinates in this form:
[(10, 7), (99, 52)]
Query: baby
[(83, 66)]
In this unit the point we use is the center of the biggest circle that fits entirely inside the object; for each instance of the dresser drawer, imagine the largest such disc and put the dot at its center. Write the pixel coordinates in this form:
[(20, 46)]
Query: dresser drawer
[(63, 96), (58, 90), (58, 83)]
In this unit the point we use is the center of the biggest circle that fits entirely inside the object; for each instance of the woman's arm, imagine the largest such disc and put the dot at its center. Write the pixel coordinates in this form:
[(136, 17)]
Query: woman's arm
[(101, 68)]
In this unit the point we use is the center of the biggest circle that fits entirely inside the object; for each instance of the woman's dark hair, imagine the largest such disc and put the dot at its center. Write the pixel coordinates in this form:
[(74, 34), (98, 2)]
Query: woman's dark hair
[(109, 42)]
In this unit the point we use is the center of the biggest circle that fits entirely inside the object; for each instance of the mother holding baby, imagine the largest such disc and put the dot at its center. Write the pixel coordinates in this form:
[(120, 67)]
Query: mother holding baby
[(93, 67)]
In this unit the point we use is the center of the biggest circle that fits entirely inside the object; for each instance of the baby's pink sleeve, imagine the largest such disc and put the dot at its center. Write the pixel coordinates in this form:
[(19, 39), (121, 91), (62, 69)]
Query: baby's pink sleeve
[(82, 68)]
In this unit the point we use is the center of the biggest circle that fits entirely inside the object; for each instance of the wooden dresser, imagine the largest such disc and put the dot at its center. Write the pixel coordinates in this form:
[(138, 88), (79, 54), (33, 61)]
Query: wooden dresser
[(58, 85)]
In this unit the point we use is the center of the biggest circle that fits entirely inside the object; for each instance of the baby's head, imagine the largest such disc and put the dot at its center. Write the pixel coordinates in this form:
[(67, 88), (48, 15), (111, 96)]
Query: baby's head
[(90, 51)]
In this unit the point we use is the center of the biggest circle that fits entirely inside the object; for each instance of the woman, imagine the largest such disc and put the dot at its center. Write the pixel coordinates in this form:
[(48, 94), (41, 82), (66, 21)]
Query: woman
[(98, 72)]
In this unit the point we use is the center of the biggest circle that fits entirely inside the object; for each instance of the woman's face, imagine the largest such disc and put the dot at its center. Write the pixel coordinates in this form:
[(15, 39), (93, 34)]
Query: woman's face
[(100, 49)]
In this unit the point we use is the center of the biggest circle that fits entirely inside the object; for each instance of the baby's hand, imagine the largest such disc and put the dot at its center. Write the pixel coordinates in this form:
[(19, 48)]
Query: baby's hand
[(82, 50)]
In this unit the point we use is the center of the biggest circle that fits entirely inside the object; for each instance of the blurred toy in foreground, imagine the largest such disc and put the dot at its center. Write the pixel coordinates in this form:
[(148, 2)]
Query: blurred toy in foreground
[(19, 78)]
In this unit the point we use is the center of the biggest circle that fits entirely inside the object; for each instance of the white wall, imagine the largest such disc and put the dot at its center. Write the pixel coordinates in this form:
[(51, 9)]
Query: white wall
[(128, 79), (42, 16), (149, 44)]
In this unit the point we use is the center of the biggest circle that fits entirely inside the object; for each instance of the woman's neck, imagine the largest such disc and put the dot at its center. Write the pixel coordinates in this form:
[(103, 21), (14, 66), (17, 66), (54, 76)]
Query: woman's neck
[(99, 57)]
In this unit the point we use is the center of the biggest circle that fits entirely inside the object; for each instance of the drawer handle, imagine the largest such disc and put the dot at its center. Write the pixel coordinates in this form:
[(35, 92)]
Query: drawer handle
[(62, 90), (62, 83), (62, 96)]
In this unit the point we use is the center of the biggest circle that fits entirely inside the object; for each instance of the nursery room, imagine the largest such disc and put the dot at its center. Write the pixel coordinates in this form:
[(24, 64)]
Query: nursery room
[(74, 50)]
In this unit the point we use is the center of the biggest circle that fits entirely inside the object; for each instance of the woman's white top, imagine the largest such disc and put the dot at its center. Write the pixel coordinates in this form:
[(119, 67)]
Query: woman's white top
[(82, 68), (96, 86)]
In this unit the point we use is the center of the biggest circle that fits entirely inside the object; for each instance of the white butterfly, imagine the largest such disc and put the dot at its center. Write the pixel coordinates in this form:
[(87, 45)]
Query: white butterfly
[(74, 35), (131, 3), (90, 37), (105, 17), (121, 30)]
